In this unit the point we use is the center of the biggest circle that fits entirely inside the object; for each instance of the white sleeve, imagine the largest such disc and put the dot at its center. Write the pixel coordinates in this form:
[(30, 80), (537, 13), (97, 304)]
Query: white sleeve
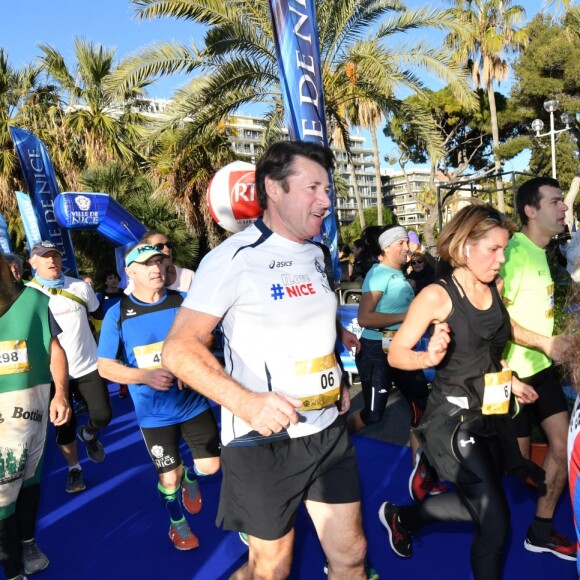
[(92, 300), (215, 285)]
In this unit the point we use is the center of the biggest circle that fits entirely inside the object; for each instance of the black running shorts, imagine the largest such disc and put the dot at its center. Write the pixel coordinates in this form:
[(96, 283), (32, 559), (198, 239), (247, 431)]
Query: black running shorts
[(200, 433), (263, 485), (551, 400)]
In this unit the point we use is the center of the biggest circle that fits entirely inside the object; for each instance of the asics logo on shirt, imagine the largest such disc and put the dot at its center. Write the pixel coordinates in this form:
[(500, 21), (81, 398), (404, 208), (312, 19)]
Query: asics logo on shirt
[(283, 264)]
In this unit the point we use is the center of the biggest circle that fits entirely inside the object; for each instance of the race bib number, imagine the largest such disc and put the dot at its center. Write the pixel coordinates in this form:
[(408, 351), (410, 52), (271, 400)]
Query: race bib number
[(13, 357), (317, 382), (149, 355), (387, 338), (497, 392)]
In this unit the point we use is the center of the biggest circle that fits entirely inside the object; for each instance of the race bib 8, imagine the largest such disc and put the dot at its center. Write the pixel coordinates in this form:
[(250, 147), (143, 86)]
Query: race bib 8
[(148, 356), (317, 382), (13, 357), (497, 392), (387, 338)]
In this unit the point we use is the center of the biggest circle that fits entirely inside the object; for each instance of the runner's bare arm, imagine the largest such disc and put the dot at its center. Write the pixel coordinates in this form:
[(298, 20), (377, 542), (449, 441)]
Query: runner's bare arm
[(60, 411)]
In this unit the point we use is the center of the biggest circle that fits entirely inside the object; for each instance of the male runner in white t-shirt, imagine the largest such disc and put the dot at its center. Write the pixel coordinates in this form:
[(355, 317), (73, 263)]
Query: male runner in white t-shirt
[(282, 394)]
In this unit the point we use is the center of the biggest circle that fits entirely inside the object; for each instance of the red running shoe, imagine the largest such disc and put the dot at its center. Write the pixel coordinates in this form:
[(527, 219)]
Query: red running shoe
[(191, 496), (423, 480), (181, 536)]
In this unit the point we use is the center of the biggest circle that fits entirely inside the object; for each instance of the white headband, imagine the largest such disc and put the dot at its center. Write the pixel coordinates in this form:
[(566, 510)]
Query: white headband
[(392, 235)]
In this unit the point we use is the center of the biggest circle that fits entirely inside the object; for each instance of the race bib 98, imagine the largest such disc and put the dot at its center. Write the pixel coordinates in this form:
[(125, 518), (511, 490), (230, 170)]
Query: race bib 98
[(13, 357)]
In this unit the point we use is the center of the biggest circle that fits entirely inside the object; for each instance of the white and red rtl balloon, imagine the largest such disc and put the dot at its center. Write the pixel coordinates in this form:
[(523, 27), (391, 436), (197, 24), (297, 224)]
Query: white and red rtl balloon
[(232, 198)]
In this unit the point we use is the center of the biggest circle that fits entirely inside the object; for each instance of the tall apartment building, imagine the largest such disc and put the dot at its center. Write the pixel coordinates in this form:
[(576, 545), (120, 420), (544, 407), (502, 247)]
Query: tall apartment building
[(246, 136), (399, 197)]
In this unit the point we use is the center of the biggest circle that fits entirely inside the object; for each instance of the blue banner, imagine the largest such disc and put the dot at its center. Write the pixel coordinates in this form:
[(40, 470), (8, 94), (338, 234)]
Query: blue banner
[(4, 236), (28, 219), (98, 212), (40, 179), (297, 49)]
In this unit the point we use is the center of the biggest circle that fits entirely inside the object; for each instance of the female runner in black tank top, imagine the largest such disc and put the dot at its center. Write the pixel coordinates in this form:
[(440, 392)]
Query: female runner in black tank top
[(466, 431)]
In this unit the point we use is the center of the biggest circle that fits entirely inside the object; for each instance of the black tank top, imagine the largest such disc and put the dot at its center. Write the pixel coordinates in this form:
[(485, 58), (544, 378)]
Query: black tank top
[(478, 338)]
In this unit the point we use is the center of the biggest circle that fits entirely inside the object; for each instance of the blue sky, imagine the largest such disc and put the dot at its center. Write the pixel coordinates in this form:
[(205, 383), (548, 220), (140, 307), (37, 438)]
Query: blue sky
[(28, 23)]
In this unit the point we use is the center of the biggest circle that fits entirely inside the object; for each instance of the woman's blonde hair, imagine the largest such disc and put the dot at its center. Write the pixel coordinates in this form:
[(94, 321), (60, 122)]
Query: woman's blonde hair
[(470, 223)]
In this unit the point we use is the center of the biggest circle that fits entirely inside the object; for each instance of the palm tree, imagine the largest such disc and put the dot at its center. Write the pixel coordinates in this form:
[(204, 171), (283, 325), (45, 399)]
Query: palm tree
[(101, 125), (26, 102), (237, 66), (491, 34)]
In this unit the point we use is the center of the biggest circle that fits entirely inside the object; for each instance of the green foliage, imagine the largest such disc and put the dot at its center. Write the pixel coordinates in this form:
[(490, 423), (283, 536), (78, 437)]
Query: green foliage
[(136, 193), (550, 68), (352, 232)]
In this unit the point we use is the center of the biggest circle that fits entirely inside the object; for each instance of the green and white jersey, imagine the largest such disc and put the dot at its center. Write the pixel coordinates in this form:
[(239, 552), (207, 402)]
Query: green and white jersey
[(529, 296), (25, 333), (278, 318)]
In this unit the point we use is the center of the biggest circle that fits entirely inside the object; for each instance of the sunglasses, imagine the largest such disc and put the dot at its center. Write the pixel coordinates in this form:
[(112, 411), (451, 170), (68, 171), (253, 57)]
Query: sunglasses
[(415, 262), (494, 215), (162, 245)]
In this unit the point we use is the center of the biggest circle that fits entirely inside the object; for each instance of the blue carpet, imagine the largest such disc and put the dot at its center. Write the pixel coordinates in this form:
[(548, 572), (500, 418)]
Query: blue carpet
[(117, 528)]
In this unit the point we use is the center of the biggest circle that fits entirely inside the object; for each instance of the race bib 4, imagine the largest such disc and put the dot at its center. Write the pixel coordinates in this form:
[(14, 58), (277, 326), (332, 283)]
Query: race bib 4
[(148, 356)]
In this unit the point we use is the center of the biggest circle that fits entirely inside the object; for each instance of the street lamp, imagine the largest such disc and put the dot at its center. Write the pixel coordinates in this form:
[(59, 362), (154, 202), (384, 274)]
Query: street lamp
[(551, 106)]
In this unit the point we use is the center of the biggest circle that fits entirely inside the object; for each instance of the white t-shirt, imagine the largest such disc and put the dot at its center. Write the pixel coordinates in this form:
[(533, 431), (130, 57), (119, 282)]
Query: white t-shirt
[(279, 325), (76, 337)]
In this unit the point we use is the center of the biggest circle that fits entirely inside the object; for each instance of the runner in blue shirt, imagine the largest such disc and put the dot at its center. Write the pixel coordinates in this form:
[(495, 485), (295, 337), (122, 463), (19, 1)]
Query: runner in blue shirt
[(134, 330)]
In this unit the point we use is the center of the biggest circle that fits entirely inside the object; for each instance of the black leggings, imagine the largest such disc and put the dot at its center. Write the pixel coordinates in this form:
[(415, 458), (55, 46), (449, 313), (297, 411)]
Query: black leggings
[(376, 376), (483, 502), (19, 526), (95, 392)]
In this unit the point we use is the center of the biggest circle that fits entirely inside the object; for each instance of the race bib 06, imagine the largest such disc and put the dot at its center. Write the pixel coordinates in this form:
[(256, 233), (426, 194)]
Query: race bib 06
[(317, 382)]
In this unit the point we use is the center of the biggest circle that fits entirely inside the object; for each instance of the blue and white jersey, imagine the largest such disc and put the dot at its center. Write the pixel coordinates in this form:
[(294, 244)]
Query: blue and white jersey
[(134, 331), (278, 318)]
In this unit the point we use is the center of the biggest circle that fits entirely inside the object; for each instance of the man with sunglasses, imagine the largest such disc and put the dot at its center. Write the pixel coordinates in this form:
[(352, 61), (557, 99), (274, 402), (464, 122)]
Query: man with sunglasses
[(529, 297), (176, 278), (421, 274)]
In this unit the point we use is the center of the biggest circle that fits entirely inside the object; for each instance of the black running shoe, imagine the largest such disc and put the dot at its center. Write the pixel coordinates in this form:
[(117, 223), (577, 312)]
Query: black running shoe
[(75, 481), (95, 449), (399, 537), (556, 544)]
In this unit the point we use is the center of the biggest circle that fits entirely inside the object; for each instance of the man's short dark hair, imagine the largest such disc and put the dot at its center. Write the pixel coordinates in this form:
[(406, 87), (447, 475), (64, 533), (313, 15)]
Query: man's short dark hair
[(529, 194), (277, 160)]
